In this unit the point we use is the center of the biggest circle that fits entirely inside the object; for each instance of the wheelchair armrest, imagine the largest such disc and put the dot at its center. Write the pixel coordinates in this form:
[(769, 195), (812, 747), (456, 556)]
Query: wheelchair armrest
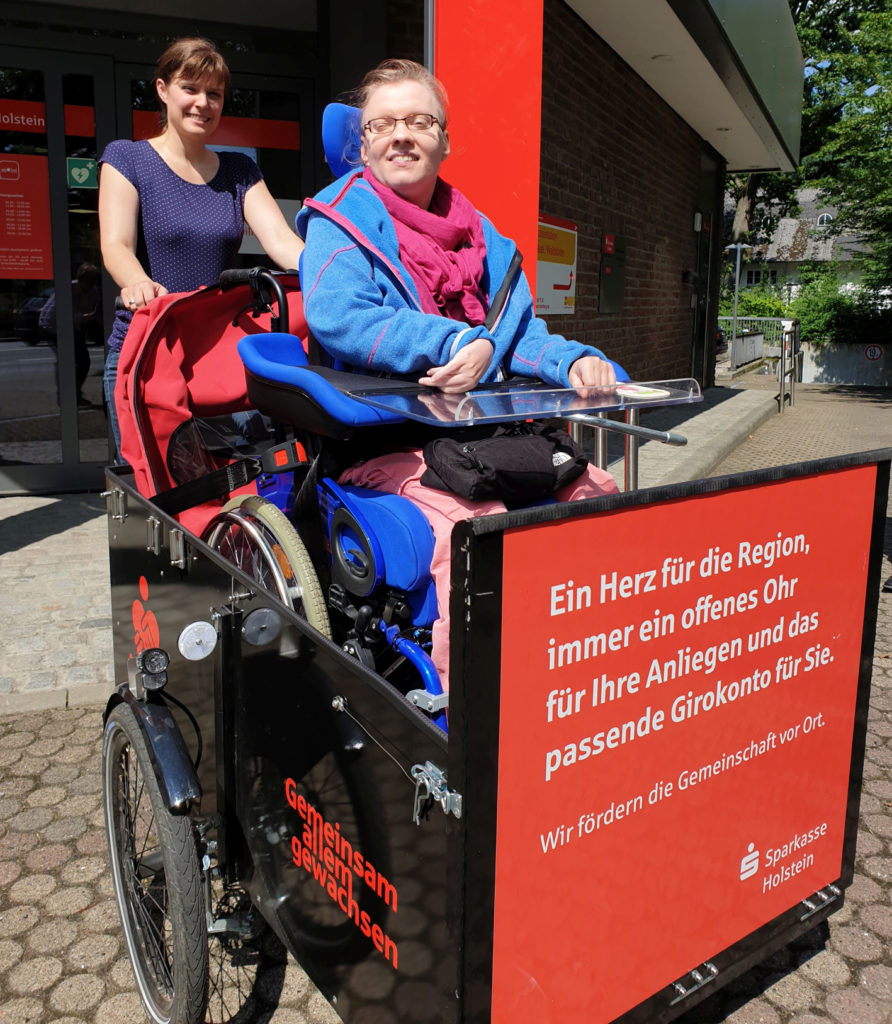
[(282, 385)]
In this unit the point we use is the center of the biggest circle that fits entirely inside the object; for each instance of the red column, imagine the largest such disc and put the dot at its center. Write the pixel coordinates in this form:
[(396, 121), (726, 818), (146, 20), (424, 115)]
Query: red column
[(488, 54)]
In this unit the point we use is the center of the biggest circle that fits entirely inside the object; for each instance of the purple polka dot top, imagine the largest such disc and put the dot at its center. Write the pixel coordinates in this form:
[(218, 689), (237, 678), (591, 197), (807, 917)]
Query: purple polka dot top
[(187, 233)]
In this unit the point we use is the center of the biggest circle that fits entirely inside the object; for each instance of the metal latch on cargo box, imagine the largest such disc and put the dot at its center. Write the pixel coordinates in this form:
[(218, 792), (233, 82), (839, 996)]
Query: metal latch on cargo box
[(817, 901), (154, 535), (431, 788), (177, 541), (115, 503), (694, 980)]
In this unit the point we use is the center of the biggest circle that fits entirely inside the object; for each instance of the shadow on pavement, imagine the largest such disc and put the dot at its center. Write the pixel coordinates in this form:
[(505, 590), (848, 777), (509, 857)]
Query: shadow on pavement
[(881, 396), (56, 516), (721, 1005)]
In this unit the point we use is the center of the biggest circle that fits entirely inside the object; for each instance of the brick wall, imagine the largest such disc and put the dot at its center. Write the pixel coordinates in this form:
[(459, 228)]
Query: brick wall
[(616, 159)]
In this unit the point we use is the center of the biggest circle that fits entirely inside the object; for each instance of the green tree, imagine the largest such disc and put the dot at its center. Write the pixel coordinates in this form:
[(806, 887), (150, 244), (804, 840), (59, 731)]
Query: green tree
[(760, 300), (852, 165), (832, 35), (851, 316)]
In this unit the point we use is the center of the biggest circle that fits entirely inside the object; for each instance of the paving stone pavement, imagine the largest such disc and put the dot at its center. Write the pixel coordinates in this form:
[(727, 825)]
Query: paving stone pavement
[(62, 957), (55, 636)]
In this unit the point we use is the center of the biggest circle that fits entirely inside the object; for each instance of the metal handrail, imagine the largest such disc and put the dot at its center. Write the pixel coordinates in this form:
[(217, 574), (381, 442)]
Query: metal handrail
[(771, 327), (752, 334), (790, 365), (633, 433)]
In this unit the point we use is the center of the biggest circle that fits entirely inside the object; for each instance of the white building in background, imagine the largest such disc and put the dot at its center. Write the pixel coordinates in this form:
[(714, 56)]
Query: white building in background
[(800, 240)]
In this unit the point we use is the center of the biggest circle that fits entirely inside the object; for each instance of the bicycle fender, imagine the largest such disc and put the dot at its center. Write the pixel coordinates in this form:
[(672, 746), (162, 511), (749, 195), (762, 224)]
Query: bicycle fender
[(171, 762)]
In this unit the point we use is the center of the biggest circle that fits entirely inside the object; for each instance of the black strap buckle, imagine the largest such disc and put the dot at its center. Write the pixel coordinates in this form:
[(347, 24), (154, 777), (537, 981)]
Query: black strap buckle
[(283, 457)]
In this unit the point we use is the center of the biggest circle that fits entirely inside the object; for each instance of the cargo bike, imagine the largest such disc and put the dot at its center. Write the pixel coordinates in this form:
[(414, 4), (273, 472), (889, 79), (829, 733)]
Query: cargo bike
[(644, 776)]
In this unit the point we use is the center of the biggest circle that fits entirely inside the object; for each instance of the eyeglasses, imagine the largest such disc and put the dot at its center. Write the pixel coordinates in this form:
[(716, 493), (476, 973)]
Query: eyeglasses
[(414, 122)]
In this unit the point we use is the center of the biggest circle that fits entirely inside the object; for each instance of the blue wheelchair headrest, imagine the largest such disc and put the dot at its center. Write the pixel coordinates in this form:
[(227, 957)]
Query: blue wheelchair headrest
[(341, 135)]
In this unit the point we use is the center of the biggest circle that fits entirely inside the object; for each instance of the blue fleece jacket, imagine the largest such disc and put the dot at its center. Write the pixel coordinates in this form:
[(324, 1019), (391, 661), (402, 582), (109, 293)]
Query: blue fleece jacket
[(363, 308)]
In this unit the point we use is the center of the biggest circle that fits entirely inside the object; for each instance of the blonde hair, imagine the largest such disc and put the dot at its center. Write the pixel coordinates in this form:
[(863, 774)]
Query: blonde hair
[(394, 70)]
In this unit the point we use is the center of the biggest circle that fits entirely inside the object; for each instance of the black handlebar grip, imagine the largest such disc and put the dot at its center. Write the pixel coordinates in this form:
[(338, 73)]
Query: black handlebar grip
[(233, 278), (266, 288)]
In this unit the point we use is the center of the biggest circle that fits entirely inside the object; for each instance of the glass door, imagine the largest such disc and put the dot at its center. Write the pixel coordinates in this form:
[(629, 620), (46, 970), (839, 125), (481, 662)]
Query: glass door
[(56, 112)]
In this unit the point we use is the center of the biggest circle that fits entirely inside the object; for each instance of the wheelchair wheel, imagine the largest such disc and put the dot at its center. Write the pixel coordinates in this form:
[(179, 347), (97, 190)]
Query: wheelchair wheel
[(156, 877), (256, 536)]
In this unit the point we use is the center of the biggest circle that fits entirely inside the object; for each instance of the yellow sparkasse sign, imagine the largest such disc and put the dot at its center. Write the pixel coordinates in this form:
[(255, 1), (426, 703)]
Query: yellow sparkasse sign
[(556, 266), (556, 245)]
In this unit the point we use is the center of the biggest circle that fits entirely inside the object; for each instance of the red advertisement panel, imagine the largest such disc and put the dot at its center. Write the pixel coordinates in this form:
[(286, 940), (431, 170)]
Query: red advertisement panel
[(678, 694), (22, 116), (30, 116), (26, 244)]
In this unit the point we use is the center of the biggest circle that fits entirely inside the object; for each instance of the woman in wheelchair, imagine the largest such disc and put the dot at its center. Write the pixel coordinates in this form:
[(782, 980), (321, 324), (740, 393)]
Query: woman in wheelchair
[(398, 276)]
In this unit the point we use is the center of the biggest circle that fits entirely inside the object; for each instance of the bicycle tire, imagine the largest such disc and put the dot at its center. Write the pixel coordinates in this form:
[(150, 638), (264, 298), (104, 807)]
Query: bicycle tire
[(156, 878)]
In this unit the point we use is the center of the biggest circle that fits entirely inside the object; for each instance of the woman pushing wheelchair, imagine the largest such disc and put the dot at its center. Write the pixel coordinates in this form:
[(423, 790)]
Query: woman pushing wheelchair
[(398, 275)]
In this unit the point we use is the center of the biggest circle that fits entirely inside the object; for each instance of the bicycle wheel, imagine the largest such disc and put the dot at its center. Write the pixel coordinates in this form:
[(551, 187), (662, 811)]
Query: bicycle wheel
[(247, 961), (156, 877), (256, 536)]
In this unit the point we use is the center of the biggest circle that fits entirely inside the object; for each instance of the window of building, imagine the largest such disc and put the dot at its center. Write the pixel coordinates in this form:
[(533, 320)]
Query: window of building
[(754, 277), (825, 220)]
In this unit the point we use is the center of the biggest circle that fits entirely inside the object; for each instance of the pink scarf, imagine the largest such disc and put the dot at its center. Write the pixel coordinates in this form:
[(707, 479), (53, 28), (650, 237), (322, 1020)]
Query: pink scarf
[(442, 248)]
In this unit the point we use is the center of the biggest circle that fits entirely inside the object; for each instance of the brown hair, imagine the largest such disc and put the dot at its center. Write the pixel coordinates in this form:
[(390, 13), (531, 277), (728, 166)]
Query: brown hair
[(191, 57), (395, 70)]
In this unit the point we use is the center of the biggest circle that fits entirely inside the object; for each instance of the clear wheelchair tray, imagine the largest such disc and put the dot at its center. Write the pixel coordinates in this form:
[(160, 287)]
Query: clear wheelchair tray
[(522, 399)]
